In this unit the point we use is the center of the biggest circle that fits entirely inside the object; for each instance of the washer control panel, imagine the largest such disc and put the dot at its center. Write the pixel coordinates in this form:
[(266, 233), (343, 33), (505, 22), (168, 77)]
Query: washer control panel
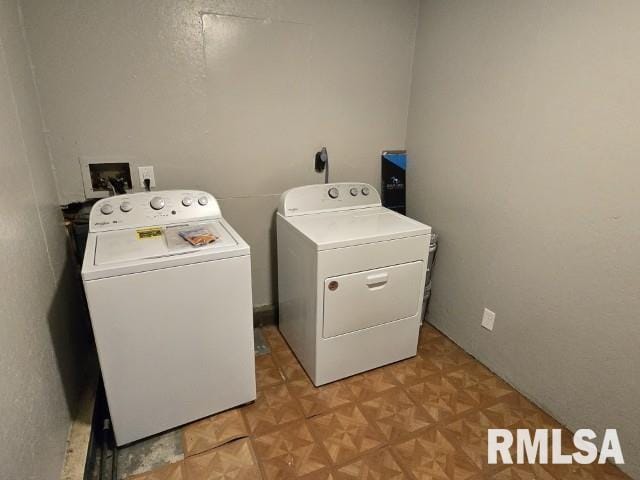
[(327, 197), (151, 209)]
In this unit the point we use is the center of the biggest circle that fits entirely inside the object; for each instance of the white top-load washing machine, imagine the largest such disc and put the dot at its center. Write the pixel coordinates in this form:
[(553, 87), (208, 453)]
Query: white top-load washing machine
[(350, 279), (172, 322)]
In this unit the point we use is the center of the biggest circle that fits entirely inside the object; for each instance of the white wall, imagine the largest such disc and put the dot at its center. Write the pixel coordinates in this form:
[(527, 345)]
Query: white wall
[(238, 109), (39, 356), (524, 144)]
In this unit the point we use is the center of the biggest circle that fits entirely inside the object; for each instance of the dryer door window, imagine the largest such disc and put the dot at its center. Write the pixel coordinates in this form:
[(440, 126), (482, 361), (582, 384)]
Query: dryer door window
[(361, 300)]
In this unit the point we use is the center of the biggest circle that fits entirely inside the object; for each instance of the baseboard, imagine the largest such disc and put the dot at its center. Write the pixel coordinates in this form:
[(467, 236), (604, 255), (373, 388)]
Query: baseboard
[(265, 315)]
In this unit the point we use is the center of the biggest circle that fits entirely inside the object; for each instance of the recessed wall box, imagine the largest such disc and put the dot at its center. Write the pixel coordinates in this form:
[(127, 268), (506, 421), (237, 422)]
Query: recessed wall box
[(97, 172)]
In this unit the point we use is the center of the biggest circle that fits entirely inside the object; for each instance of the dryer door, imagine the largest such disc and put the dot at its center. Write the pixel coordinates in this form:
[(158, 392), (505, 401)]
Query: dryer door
[(365, 299)]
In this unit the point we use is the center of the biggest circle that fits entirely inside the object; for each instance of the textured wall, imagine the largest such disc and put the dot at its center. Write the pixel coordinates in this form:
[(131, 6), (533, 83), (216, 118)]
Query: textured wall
[(523, 135), (239, 110), (39, 361)]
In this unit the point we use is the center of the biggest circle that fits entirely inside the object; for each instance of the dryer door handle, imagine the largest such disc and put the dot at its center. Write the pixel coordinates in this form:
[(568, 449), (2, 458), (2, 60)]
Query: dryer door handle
[(377, 280)]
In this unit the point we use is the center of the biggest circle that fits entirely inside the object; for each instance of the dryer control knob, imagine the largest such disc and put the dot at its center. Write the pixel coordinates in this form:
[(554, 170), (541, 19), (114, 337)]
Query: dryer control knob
[(203, 200), (365, 191), (187, 201), (126, 206), (334, 192), (106, 209), (353, 192), (157, 203)]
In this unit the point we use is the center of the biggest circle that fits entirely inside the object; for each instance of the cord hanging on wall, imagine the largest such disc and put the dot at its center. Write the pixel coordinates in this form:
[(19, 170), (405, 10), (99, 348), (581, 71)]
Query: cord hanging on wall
[(322, 163)]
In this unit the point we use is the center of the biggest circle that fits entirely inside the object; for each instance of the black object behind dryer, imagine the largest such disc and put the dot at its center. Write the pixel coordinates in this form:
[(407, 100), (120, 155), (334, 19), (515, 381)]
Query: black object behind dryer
[(393, 175)]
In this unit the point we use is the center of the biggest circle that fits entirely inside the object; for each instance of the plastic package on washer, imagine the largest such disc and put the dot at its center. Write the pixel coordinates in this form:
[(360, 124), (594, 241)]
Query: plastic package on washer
[(198, 236)]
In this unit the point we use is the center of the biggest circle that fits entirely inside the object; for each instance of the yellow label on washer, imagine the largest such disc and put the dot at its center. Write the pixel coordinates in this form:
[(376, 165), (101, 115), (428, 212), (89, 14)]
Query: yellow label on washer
[(151, 232)]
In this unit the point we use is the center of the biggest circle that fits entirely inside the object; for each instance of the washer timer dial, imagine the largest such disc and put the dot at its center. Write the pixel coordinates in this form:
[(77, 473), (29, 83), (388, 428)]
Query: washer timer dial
[(157, 203), (333, 192)]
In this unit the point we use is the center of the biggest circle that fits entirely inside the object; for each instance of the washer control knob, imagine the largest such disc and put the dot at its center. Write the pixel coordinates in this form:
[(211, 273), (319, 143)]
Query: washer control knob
[(334, 192), (203, 200), (106, 209), (353, 191), (187, 201), (157, 203), (126, 206), (365, 191)]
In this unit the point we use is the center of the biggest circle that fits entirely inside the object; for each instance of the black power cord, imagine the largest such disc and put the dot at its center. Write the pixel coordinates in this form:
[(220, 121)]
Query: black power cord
[(118, 184)]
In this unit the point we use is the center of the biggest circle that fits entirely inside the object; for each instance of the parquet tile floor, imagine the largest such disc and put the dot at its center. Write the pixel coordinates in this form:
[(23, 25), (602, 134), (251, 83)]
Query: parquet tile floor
[(425, 418)]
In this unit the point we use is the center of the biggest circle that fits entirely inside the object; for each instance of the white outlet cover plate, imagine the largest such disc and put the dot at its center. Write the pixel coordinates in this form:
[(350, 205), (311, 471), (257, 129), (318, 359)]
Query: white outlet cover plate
[(488, 319), (147, 172)]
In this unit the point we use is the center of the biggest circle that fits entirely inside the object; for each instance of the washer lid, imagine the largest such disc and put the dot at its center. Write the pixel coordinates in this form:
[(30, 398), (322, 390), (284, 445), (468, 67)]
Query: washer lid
[(355, 227), (118, 246), (135, 250)]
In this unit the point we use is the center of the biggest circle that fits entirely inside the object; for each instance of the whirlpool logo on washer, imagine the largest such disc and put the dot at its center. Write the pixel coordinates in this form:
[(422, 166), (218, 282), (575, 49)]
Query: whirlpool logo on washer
[(102, 224), (536, 450)]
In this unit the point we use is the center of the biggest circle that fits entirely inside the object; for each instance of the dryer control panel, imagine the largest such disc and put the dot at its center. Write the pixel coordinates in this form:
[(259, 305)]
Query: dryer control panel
[(152, 208), (328, 197)]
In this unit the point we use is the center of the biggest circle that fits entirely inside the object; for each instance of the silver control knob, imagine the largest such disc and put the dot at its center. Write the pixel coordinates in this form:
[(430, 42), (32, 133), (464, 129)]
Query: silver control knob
[(187, 201), (126, 206), (106, 209), (203, 200), (353, 191), (365, 191), (334, 192), (157, 203)]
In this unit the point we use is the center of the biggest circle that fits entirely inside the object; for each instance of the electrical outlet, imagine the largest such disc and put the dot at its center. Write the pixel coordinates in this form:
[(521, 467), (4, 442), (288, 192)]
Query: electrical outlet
[(488, 318), (147, 172)]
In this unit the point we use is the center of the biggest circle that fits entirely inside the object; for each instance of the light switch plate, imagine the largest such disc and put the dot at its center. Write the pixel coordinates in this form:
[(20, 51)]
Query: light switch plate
[(488, 319)]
